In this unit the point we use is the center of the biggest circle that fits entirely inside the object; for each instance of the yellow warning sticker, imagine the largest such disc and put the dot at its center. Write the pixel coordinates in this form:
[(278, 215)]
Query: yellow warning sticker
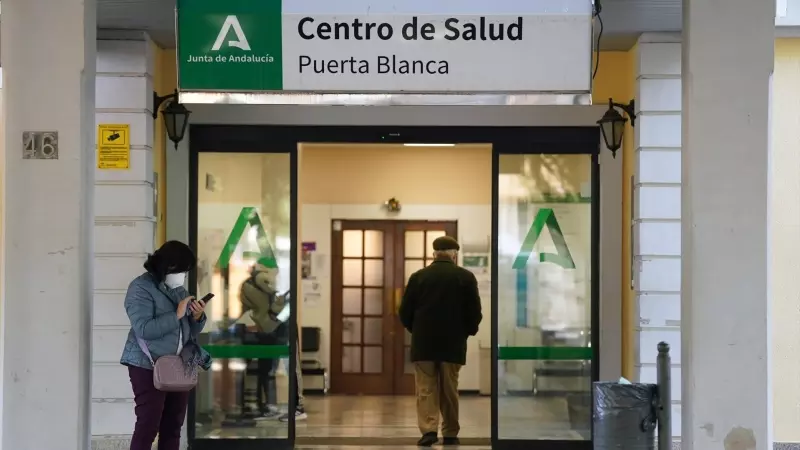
[(113, 146)]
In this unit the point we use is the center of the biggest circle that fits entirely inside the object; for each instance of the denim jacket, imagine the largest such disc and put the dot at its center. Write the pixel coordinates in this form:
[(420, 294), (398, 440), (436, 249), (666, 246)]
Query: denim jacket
[(151, 308)]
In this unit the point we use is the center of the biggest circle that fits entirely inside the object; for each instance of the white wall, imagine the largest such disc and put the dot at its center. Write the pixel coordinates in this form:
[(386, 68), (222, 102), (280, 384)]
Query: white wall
[(657, 207), (657, 217), (124, 229)]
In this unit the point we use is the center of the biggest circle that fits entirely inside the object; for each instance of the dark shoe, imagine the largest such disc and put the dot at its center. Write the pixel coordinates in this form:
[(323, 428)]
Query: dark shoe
[(427, 440), (451, 441)]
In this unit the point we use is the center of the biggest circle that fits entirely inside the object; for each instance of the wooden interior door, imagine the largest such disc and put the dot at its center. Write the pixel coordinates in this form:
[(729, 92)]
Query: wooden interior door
[(370, 266), (413, 250), (362, 319)]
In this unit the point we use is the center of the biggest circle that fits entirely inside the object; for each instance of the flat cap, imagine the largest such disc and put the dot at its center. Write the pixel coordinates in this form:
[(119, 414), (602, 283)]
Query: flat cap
[(445, 243)]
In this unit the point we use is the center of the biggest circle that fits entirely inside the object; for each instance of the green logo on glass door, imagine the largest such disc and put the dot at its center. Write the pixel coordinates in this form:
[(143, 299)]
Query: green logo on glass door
[(248, 218), (545, 217)]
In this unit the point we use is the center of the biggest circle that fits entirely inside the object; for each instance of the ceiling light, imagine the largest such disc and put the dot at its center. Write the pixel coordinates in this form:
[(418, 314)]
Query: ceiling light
[(429, 145)]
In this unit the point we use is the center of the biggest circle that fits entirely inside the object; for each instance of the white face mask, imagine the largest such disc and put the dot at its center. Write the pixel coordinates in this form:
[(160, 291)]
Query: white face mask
[(175, 280)]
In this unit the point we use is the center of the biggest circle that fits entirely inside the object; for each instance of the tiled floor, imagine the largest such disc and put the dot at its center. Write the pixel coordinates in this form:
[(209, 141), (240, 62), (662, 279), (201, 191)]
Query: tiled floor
[(382, 447), (384, 420), (362, 416)]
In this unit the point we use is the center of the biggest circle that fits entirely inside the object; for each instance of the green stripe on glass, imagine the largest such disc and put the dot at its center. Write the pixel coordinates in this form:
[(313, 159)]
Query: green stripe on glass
[(248, 351), (544, 353)]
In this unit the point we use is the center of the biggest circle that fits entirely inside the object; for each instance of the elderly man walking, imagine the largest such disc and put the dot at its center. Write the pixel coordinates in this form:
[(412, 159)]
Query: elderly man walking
[(441, 308)]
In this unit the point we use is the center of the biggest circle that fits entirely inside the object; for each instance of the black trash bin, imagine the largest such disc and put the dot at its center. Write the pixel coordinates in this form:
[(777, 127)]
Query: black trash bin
[(624, 416)]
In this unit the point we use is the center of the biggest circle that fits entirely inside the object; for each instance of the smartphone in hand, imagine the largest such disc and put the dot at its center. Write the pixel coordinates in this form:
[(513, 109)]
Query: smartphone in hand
[(207, 298)]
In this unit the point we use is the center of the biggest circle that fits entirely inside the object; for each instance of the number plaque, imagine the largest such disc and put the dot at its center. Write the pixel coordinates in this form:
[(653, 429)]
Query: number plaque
[(40, 145)]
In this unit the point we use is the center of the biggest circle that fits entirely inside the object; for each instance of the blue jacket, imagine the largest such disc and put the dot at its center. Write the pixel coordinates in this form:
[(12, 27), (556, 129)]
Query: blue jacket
[(151, 309)]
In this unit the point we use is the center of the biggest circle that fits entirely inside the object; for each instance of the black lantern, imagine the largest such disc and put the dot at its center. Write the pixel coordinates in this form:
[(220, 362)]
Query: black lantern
[(176, 116), (612, 125)]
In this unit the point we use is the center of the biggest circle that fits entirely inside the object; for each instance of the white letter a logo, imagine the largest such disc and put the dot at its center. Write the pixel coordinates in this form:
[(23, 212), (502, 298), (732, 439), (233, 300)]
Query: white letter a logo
[(241, 39)]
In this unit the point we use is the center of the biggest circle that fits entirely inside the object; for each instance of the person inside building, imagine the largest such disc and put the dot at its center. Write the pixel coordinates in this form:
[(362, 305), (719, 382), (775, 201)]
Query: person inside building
[(269, 312), (297, 377), (441, 308), (261, 303), (165, 320)]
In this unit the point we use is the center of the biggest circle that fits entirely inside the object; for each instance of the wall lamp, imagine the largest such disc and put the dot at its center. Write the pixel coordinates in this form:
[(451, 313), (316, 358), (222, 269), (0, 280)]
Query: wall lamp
[(176, 116), (612, 125)]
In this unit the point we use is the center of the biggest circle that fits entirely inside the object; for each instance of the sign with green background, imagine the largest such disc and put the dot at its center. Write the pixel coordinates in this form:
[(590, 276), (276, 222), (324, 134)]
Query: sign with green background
[(381, 46), (214, 52)]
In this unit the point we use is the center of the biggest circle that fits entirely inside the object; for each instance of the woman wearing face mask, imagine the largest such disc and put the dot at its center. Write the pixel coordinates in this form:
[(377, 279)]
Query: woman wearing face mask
[(165, 317)]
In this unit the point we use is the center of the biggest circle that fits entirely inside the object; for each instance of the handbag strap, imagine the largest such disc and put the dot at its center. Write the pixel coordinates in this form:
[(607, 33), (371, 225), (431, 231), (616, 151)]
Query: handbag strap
[(143, 346)]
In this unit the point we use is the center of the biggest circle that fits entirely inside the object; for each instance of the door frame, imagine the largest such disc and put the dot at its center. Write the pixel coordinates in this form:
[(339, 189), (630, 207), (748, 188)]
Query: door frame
[(594, 153), (286, 139), (373, 383)]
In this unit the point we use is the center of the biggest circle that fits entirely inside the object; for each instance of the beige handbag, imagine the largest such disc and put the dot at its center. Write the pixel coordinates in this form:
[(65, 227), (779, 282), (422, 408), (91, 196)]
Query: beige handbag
[(170, 372)]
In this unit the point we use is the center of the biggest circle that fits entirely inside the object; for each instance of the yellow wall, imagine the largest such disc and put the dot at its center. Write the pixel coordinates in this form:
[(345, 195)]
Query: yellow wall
[(616, 79), (375, 173), (165, 81), (785, 246)]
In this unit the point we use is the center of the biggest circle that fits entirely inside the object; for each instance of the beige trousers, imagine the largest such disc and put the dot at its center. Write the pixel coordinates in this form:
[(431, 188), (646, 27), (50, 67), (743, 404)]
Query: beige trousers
[(437, 392)]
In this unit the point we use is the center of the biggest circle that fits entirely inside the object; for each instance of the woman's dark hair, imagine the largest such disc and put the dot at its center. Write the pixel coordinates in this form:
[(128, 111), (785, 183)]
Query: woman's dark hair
[(172, 257)]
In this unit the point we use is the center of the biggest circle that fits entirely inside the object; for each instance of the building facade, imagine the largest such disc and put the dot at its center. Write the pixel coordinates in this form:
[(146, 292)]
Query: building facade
[(701, 199)]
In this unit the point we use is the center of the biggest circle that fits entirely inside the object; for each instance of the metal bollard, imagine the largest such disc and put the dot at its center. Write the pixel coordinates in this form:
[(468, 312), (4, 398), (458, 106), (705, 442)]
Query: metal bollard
[(664, 380)]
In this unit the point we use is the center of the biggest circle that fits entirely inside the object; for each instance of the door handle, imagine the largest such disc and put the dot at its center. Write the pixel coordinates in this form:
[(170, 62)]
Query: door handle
[(398, 299)]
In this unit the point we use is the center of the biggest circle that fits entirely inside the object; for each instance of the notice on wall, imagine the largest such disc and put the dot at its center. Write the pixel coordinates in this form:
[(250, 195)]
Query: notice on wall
[(113, 146), (478, 264), (377, 46), (312, 293), (311, 263), (307, 263)]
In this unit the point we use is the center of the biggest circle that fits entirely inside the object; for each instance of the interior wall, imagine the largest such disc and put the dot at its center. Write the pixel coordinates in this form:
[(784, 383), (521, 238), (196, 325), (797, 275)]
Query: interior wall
[(343, 181), (371, 174)]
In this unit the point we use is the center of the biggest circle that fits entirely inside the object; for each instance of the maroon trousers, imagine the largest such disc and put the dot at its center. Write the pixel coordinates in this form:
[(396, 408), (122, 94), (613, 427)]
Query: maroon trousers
[(157, 413)]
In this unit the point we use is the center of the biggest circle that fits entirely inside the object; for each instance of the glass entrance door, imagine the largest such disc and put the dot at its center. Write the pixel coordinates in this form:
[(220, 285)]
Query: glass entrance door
[(543, 273), (545, 299), (243, 233)]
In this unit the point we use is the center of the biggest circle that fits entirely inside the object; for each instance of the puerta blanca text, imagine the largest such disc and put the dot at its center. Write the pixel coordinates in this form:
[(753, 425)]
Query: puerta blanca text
[(452, 29)]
